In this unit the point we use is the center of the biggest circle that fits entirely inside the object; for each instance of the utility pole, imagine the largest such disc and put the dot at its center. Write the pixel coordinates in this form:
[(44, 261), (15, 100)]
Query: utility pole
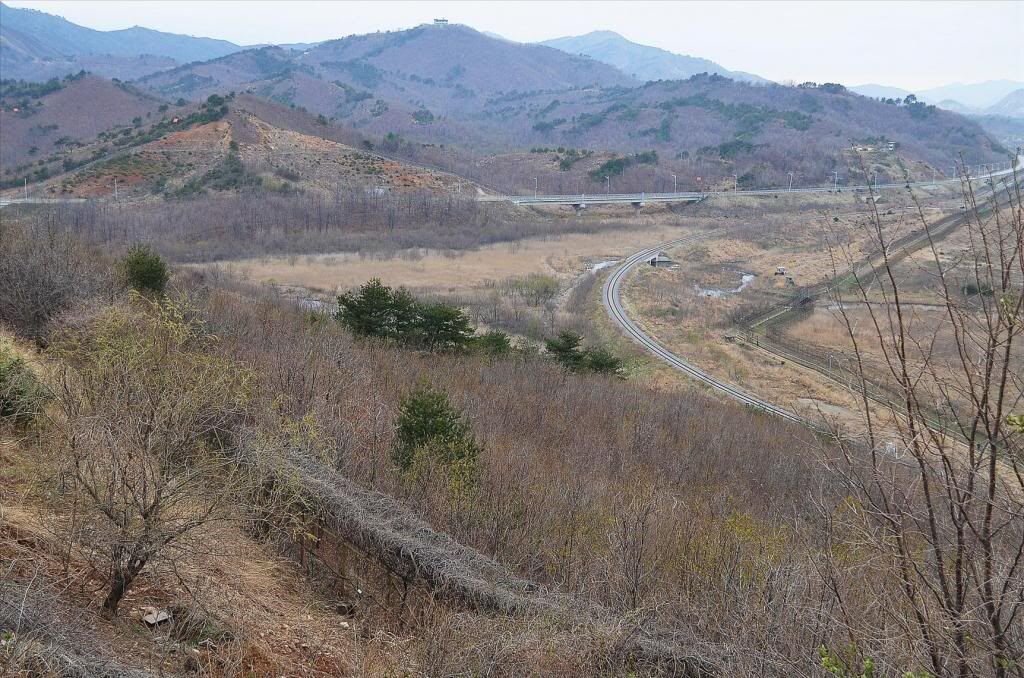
[(835, 186), (608, 179), (115, 189), (535, 187), (675, 184), (26, 188), (791, 181)]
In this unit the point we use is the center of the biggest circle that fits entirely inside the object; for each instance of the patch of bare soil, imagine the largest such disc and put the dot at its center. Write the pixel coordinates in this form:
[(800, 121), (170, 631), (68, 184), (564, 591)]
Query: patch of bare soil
[(257, 614), (324, 163)]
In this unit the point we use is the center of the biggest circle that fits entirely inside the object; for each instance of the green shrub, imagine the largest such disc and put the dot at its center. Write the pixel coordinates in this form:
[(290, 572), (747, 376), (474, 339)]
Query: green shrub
[(566, 351), (21, 394), (601, 360), (548, 125), (143, 270), (617, 166), (973, 289), (441, 327), (423, 116), (492, 343), (1016, 422), (845, 664), (376, 310), (428, 424)]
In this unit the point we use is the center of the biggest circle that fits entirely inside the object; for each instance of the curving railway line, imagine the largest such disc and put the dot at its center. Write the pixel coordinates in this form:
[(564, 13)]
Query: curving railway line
[(611, 295)]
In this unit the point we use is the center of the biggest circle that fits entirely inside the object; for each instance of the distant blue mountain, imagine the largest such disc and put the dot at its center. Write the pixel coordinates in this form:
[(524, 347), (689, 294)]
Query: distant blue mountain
[(642, 61), (35, 45)]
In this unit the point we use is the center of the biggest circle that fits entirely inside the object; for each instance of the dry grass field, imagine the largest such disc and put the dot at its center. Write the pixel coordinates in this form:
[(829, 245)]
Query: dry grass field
[(694, 326), (690, 306), (563, 256)]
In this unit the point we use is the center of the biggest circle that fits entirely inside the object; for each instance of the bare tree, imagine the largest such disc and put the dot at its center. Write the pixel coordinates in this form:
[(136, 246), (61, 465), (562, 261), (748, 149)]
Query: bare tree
[(632, 545), (936, 473), (141, 435), (43, 272)]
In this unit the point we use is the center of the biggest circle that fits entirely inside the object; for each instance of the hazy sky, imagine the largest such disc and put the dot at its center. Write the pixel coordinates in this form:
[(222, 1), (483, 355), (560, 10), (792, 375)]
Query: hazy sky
[(914, 45)]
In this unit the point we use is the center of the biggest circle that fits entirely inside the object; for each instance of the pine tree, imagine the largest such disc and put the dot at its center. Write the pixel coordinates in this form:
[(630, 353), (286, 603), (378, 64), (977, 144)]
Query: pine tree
[(429, 423), (566, 349)]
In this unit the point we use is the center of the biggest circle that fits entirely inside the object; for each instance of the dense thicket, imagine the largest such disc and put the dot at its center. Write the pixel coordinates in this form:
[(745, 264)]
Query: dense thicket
[(351, 220), (684, 510), (695, 520), (44, 272), (378, 311)]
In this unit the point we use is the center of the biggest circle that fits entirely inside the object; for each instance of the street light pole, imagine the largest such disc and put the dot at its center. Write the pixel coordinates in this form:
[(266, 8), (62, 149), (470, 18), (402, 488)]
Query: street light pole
[(835, 186), (535, 187), (675, 184), (791, 181), (608, 188)]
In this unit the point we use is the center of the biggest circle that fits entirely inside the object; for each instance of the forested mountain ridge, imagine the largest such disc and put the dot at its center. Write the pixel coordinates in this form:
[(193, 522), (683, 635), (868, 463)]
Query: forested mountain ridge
[(452, 85), (464, 92)]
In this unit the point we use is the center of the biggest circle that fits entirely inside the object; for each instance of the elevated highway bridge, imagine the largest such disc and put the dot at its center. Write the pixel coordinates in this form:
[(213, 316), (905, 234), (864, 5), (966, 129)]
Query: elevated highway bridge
[(637, 200)]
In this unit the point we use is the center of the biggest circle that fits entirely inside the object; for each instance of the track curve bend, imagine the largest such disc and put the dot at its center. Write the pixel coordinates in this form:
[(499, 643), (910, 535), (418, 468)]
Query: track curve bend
[(611, 296)]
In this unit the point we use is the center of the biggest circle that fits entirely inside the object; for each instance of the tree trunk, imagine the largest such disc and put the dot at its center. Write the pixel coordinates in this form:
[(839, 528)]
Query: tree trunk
[(123, 578)]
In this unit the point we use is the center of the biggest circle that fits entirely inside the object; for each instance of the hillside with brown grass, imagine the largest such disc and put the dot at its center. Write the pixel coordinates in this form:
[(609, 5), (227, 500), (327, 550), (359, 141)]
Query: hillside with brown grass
[(252, 471), (223, 147), (36, 127)]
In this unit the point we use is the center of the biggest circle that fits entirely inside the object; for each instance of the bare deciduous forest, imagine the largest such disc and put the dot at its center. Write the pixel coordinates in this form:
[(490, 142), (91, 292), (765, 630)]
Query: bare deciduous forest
[(293, 382), (233, 227), (714, 538)]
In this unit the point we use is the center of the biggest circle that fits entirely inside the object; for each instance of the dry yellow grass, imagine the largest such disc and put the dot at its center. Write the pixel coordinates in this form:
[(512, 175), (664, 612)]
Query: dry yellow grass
[(695, 332), (562, 256)]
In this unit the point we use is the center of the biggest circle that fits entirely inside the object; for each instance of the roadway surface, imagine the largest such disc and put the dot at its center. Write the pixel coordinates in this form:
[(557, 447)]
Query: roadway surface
[(4, 202), (582, 199), (635, 199)]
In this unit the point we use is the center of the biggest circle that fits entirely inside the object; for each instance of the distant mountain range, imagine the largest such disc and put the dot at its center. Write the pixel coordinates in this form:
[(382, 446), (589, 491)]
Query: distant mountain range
[(993, 97), (1012, 105), (641, 61), (444, 86), (37, 46)]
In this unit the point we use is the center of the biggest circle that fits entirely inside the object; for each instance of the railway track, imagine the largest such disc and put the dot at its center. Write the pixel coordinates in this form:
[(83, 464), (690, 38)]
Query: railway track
[(611, 295), (612, 300)]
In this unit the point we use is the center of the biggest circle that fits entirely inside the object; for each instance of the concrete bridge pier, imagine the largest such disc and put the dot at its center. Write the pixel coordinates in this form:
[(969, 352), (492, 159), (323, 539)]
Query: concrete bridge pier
[(637, 204)]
